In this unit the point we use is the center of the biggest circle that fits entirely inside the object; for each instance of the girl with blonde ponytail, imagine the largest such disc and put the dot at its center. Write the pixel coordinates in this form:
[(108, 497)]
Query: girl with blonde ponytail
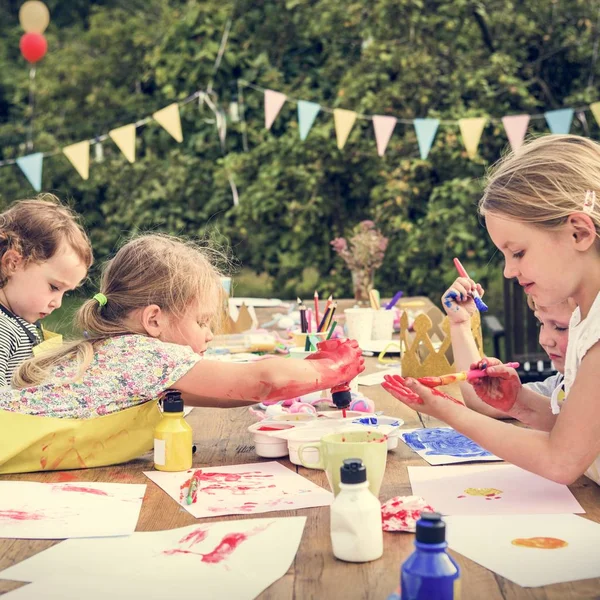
[(542, 210), (146, 331)]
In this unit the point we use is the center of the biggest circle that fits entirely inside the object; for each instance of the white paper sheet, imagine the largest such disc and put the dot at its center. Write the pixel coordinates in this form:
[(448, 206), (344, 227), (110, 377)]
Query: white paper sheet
[(377, 377), (490, 490), (233, 559), (487, 540), (444, 446), (242, 489), (31, 510)]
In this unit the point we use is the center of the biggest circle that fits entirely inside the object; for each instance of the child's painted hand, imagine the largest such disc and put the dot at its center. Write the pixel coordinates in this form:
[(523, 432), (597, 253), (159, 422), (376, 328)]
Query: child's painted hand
[(342, 361), (418, 397), (500, 388), (458, 301)]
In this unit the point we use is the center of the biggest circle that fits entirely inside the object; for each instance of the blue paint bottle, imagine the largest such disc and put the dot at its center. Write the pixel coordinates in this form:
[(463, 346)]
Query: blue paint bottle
[(430, 573)]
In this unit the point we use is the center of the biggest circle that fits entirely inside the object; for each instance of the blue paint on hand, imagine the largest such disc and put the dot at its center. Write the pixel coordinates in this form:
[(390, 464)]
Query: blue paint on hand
[(444, 442), (450, 298)]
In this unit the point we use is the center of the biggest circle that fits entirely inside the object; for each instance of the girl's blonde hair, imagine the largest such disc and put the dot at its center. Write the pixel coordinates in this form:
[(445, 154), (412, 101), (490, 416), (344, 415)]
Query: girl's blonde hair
[(150, 269), (36, 228), (545, 181)]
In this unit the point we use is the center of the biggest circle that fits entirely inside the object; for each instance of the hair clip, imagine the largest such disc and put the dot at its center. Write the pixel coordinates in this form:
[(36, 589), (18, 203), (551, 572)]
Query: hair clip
[(101, 299), (589, 202)]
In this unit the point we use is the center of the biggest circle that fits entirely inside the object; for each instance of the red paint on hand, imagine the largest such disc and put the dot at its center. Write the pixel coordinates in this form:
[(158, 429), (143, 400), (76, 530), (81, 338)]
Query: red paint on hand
[(338, 361), (500, 388)]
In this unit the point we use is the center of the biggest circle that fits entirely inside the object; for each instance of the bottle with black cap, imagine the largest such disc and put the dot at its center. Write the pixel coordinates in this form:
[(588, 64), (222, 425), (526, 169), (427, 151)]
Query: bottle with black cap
[(172, 436), (356, 529), (430, 573)]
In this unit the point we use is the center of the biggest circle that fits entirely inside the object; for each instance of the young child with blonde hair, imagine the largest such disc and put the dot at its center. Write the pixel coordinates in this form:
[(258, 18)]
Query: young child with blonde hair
[(44, 253), (94, 401), (553, 338), (542, 210)]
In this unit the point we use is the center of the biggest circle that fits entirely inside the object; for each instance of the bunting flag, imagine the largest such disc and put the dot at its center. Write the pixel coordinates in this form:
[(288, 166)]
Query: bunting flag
[(273, 103), (384, 127), (124, 138), (168, 118), (343, 120), (471, 130), (79, 155), (559, 121), (516, 128), (425, 130), (307, 113), (595, 108), (31, 165)]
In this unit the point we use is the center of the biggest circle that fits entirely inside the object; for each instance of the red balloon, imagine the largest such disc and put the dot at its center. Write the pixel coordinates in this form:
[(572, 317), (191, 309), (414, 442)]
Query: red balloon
[(33, 46)]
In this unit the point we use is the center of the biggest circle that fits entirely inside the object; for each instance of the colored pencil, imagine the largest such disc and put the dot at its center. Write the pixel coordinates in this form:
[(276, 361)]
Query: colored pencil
[(324, 320), (394, 300), (331, 330), (316, 297)]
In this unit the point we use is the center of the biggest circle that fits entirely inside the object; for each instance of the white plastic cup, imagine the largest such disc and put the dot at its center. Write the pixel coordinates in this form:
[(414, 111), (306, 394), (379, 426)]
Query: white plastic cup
[(359, 324), (383, 324)]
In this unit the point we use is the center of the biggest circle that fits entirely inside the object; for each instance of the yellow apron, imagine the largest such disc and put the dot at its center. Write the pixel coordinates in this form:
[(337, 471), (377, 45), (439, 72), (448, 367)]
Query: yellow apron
[(51, 341), (32, 443)]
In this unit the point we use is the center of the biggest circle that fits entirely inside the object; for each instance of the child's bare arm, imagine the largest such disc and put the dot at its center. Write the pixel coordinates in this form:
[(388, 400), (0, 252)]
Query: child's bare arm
[(214, 383)]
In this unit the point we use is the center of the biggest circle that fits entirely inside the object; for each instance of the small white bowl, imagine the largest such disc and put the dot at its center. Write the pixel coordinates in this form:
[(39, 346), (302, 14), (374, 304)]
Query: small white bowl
[(293, 417), (265, 444), (276, 448), (301, 436)]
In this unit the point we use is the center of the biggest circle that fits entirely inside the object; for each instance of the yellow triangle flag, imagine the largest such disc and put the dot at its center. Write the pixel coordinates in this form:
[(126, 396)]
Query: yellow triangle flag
[(168, 117), (124, 138), (79, 155), (344, 121), (595, 108), (471, 130)]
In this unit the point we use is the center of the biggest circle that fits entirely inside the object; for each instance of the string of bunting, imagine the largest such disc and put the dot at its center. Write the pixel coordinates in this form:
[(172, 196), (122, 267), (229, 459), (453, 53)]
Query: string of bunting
[(471, 129)]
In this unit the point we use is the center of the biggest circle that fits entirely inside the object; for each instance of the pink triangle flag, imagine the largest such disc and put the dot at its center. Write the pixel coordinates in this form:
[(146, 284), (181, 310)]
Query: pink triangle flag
[(273, 103), (384, 127), (516, 128)]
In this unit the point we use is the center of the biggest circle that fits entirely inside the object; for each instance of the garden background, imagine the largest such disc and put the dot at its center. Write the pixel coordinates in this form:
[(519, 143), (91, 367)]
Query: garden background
[(113, 62)]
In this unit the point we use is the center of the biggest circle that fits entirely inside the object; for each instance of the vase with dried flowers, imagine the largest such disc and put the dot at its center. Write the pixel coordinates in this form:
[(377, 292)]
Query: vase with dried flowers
[(363, 254)]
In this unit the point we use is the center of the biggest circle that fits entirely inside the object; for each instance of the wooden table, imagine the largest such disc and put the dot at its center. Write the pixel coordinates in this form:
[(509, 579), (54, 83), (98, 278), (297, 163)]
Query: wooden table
[(222, 439)]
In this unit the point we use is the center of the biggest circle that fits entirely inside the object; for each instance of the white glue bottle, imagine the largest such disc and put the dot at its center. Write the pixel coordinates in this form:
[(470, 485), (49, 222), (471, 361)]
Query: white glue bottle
[(356, 528)]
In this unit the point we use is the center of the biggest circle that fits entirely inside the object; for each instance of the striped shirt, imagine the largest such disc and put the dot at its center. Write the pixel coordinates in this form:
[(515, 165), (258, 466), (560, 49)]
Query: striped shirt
[(15, 345)]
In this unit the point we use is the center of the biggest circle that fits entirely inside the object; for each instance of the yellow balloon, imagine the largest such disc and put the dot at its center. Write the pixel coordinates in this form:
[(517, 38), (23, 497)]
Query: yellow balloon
[(34, 16)]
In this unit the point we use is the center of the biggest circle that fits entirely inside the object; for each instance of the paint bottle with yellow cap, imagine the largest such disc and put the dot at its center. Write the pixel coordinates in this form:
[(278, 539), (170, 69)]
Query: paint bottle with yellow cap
[(172, 436)]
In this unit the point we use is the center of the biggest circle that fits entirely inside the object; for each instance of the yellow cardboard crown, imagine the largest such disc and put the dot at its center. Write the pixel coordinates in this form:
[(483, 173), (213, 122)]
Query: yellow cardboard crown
[(427, 350)]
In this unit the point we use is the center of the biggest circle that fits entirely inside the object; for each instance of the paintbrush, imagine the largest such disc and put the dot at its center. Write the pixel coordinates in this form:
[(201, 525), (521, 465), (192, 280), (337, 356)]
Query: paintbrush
[(471, 375), (479, 303)]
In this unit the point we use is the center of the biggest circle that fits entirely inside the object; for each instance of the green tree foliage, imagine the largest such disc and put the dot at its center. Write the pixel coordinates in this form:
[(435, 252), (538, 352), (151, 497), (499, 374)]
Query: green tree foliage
[(113, 62)]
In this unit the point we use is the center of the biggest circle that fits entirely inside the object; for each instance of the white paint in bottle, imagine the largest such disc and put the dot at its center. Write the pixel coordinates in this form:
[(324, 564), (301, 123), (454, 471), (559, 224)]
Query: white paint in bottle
[(356, 528)]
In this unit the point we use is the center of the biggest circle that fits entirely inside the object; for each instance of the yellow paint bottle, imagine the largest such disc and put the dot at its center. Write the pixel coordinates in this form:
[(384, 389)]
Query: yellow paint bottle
[(172, 436)]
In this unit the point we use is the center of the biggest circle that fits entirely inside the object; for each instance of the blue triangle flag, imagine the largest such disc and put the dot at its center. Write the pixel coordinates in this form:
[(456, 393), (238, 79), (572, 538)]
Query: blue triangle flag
[(559, 121), (31, 165), (307, 112), (425, 130)]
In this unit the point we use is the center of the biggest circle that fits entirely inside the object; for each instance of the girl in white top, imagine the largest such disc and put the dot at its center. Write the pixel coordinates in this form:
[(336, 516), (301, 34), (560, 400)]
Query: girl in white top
[(542, 210)]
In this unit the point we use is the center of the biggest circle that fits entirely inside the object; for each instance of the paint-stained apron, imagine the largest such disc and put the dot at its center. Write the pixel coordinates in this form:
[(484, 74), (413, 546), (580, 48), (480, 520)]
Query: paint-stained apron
[(32, 443)]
